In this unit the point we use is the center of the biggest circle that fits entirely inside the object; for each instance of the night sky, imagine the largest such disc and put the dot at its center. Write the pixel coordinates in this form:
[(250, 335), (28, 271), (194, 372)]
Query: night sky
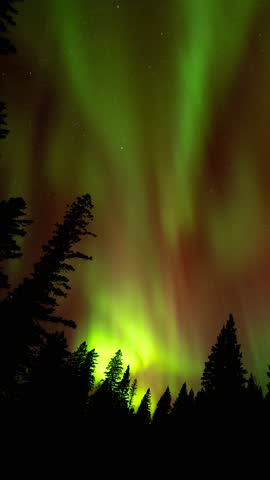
[(161, 111)]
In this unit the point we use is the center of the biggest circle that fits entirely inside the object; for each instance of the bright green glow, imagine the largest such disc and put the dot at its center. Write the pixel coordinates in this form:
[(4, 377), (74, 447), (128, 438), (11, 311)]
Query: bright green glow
[(154, 351), (125, 103)]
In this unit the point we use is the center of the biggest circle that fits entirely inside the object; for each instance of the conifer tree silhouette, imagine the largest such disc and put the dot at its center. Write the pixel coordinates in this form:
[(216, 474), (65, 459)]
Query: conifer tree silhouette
[(183, 411), (191, 398), (82, 363), (104, 404), (184, 402), (12, 223), (143, 415), (33, 302), (114, 371), (124, 389), (132, 393), (162, 410), (181, 400), (224, 375), (7, 13)]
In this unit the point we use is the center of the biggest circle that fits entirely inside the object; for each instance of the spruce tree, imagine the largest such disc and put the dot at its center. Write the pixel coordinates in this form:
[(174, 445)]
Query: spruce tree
[(143, 415), (182, 412), (30, 306), (181, 400), (132, 393), (224, 375), (82, 363), (104, 403), (161, 413), (12, 223), (7, 13), (114, 371), (124, 389), (184, 401)]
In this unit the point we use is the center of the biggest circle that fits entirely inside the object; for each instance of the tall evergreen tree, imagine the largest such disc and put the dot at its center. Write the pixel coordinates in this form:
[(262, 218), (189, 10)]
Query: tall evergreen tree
[(7, 13), (90, 367), (224, 375), (114, 371), (132, 393), (12, 223), (104, 404), (183, 402), (143, 415), (82, 364), (33, 302), (161, 413), (124, 389)]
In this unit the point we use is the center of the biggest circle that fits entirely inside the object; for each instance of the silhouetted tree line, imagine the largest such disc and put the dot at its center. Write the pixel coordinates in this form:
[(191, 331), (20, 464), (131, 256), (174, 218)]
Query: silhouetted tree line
[(41, 377)]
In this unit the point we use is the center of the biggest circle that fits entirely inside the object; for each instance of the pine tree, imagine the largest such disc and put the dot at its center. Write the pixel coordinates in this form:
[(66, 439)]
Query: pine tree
[(90, 367), (161, 413), (124, 389), (191, 398), (12, 223), (7, 13), (182, 402), (182, 412), (132, 393), (104, 403), (30, 305), (143, 415), (47, 279), (224, 376), (82, 364), (114, 371)]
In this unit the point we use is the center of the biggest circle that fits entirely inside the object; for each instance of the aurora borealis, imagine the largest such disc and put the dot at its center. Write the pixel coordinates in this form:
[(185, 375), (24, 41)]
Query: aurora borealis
[(160, 110)]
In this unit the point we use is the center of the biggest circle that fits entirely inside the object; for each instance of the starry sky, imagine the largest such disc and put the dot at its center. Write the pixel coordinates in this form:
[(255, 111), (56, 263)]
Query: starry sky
[(160, 110)]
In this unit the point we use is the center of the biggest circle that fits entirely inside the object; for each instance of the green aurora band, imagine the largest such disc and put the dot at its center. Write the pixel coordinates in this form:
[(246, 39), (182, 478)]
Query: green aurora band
[(160, 110)]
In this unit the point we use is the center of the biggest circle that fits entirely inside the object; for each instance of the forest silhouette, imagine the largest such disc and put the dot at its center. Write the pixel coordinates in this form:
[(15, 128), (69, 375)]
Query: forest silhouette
[(51, 391)]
